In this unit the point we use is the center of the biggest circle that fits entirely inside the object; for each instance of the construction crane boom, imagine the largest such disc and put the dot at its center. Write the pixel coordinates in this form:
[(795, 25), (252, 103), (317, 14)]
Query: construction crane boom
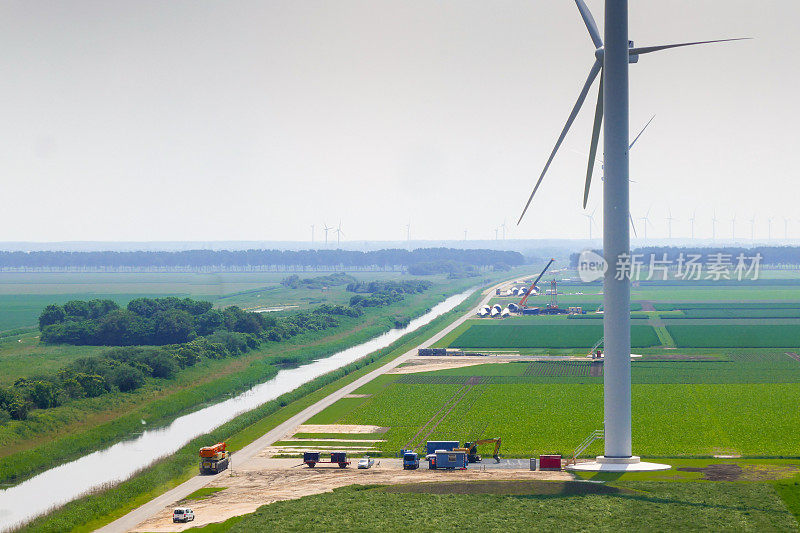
[(533, 285)]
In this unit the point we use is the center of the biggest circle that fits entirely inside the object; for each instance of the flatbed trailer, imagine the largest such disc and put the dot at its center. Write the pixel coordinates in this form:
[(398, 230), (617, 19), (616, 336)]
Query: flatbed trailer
[(313, 459)]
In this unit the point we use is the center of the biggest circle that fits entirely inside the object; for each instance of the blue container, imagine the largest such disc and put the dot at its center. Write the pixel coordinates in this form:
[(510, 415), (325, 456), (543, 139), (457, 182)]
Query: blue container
[(433, 445), (450, 460), (338, 457), (310, 457)]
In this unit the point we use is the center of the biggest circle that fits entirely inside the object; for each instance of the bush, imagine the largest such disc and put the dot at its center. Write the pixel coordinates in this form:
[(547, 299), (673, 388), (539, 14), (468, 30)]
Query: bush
[(127, 378)]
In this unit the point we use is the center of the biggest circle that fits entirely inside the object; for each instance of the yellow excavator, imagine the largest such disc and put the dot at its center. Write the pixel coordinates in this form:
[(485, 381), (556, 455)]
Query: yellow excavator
[(471, 449)]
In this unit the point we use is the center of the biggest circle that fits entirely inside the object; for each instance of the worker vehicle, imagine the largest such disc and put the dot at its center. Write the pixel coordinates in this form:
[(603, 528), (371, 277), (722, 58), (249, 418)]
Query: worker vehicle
[(336, 458), (182, 514), (410, 460), (214, 459), (471, 449), (366, 462)]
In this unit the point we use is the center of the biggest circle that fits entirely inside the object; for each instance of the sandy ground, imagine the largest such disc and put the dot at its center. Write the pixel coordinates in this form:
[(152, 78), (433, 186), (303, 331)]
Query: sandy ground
[(269, 480), (338, 428)]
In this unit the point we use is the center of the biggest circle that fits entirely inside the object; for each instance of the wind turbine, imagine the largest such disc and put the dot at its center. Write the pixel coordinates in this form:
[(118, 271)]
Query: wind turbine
[(714, 226), (495, 233), (669, 222), (692, 219), (312, 233), (733, 228), (339, 234), (503, 225), (769, 228), (753, 228), (590, 219), (408, 234), (645, 221), (785, 228), (326, 228), (465, 235), (612, 56)]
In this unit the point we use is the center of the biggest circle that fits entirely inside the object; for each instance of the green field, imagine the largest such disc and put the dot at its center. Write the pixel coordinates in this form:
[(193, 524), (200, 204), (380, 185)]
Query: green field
[(736, 335), (509, 334), (527, 506)]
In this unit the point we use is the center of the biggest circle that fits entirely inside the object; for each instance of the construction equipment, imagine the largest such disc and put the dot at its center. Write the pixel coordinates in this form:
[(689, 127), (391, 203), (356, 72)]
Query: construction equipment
[(214, 459), (337, 458), (533, 285), (471, 449)]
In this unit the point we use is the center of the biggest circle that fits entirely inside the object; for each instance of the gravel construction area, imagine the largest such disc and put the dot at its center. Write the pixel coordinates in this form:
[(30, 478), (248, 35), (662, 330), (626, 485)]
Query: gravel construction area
[(263, 480)]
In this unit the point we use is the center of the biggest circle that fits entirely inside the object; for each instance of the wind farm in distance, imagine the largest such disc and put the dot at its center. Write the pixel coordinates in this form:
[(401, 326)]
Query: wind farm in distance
[(400, 266)]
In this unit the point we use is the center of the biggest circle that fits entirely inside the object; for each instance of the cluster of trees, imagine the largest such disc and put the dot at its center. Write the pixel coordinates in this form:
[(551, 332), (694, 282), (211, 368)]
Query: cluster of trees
[(332, 280), (156, 321), (771, 255), (380, 293), (251, 258)]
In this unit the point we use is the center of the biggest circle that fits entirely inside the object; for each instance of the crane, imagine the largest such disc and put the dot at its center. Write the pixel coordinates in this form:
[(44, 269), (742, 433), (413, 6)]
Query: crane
[(533, 285)]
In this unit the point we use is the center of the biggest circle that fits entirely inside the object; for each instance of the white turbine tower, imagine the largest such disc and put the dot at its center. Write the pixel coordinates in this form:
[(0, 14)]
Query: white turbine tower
[(612, 56), (339, 234), (645, 221), (326, 228), (769, 228), (753, 228), (785, 229), (669, 222), (408, 235), (590, 220), (312, 234), (733, 228), (692, 219), (465, 235), (714, 226)]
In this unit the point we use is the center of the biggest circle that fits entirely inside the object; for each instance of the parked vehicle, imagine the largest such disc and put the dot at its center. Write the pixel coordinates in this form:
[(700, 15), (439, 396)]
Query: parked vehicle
[(366, 462), (410, 460), (182, 514)]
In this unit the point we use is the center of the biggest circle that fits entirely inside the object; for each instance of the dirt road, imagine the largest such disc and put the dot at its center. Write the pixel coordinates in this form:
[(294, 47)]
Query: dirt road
[(271, 480), (240, 459)]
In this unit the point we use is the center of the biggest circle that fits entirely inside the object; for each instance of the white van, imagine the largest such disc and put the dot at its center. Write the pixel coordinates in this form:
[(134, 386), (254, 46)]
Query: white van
[(182, 514)]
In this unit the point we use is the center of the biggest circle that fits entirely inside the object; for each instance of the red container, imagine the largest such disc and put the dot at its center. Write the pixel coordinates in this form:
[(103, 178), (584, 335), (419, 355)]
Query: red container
[(549, 462)]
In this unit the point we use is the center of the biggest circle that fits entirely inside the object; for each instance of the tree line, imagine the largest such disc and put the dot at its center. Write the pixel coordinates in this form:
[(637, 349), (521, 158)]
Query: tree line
[(241, 258), (178, 333)]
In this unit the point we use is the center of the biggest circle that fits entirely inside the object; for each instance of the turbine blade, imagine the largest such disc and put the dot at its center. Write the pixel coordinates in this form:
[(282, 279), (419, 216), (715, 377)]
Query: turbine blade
[(640, 133), (648, 49), (577, 107), (591, 25), (633, 226), (598, 120)]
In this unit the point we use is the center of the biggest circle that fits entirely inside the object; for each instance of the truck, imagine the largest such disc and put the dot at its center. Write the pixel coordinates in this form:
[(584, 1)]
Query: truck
[(314, 458), (432, 445), (214, 459), (410, 459)]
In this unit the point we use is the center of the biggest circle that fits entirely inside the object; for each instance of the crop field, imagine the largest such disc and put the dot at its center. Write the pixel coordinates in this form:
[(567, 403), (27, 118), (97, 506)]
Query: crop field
[(508, 334), (740, 401), (735, 335)]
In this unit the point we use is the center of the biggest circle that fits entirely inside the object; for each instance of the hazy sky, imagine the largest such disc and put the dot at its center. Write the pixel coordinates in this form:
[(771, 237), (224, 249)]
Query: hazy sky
[(252, 120)]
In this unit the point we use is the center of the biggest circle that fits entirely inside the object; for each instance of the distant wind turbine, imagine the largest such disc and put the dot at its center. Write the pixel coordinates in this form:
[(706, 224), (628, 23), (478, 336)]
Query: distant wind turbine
[(339, 234), (503, 225), (646, 220), (753, 228), (312, 233), (692, 219), (669, 222), (590, 220), (714, 226), (733, 228), (769, 228), (408, 234), (785, 228), (326, 228), (496, 230), (465, 235)]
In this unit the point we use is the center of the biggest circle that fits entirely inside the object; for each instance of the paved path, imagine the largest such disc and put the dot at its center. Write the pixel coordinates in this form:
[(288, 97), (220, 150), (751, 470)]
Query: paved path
[(140, 514)]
